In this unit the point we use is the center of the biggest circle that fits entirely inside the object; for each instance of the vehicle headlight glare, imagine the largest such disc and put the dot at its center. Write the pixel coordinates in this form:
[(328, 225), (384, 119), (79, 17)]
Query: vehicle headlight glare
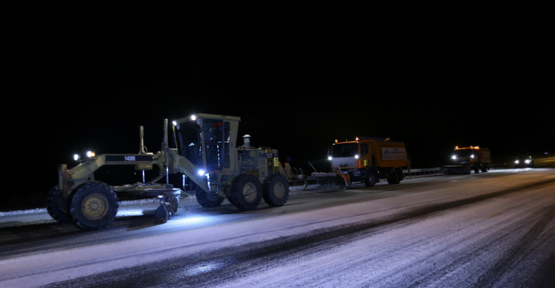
[(516, 162), (329, 158), (527, 161), (454, 157), (201, 172), (90, 154), (75, 157), (472, 156), (356, 156)]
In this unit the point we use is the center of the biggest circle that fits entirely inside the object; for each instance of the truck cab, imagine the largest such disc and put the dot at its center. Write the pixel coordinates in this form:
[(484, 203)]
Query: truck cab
[(472, 158)]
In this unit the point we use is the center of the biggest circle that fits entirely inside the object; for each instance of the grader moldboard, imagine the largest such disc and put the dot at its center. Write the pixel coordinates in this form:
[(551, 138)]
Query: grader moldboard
[(205, 153)]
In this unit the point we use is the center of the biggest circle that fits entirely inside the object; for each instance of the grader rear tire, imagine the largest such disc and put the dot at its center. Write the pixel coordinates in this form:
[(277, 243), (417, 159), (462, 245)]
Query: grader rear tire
[(93, 206), (276, 190), (56, 206), (246, 192)]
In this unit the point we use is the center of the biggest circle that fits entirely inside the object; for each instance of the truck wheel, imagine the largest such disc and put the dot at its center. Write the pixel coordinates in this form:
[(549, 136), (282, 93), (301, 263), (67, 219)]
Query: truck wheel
[(395, 178), (56, 206), (275, 190), (93, 206), (371, 179), (246, 192), (207, 200), (477, 168)]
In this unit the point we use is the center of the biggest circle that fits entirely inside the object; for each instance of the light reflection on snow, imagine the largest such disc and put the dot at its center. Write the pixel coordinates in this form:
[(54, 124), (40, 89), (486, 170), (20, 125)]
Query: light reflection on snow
[(201, 268), (190, 220), (132, 212)]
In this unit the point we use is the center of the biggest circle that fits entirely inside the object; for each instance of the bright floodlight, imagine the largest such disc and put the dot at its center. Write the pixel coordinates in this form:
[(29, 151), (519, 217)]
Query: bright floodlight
[(356, 156), (527, 161), (516, 162), (174, 123), (90, 154), (454, 157), (201, 172), (472, 156), (329, 158), (75, 157), (193, 117)]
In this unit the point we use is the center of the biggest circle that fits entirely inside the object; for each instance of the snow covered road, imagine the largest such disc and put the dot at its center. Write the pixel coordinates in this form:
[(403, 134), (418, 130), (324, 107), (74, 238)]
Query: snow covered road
[(489, 230)]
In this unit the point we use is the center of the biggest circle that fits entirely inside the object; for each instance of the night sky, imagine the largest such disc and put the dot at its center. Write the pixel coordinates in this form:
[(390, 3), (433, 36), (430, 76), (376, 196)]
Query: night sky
[(87, 80)]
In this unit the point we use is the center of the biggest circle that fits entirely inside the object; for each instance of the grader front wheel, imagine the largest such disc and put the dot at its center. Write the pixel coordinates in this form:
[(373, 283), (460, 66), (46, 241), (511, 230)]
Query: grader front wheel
[(93, 206), (207, 200), (56, 206)]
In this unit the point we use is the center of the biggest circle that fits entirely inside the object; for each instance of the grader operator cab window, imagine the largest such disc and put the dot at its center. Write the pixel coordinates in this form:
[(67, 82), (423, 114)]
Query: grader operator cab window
[(213, 143), (188, 141), (217, 144)]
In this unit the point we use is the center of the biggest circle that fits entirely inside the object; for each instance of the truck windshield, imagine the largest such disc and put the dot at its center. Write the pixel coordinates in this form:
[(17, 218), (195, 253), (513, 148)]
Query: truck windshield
[(344, 150), (464, 153)]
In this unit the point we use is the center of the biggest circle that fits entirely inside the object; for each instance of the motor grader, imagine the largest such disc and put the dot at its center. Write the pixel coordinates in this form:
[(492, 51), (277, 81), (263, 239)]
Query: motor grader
[(205, 152)]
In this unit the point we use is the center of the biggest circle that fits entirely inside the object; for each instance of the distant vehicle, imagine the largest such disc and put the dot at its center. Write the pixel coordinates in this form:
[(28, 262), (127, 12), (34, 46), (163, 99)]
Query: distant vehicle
[(524, 161), (467, 159)]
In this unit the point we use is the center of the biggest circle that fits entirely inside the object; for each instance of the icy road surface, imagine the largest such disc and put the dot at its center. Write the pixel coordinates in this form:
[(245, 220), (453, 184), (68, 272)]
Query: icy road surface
[(494, 229)]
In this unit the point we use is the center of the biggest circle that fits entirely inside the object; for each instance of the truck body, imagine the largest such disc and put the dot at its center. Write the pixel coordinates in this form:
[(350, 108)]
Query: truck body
[(468, 159), (368, 159)]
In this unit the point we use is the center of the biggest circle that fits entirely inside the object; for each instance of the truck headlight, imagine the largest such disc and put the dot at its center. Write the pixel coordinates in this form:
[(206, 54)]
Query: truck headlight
[(76, 157), (527, 161), (516, 162), (329, 158), (201, 172), (356, 156), (454, 157), (472, 156)]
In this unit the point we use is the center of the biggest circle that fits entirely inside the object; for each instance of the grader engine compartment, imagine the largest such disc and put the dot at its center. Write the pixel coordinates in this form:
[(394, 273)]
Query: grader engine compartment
[(261, 162)]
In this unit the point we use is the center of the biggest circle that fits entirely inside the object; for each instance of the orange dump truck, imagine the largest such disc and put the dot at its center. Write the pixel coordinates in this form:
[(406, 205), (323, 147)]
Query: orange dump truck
[(466, 159), (368, 159)]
